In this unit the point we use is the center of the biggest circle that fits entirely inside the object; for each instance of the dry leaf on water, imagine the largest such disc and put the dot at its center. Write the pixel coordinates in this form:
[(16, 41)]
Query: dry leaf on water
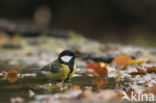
[(139, 72), (95, 69), (152, 69), (122, 60), (90, 68), (12, 75), (135, 62)]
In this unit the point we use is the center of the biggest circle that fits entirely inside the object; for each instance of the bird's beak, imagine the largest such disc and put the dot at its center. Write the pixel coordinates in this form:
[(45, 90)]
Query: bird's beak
[(77, 55)]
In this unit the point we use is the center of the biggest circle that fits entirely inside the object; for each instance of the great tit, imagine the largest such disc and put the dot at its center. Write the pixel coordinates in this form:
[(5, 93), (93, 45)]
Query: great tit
[(62, 68)]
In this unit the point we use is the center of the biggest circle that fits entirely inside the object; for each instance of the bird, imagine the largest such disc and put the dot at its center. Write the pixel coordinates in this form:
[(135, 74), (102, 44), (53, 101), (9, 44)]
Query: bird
[(61, 69)]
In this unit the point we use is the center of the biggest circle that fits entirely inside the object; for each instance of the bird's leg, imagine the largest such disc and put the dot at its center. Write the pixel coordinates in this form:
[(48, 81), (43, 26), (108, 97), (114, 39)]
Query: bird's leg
[(60, 84), (68, 83)]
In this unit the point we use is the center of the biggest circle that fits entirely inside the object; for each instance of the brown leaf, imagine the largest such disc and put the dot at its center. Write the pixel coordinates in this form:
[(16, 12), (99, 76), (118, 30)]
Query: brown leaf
[(95, 69), (152, 69), (12, 75), (151, 90), (101, 68), (139, 72), (29, 54)]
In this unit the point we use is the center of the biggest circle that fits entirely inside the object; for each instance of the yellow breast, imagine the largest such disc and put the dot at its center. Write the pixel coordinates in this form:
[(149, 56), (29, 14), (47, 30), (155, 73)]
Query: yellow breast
[(62, 74)]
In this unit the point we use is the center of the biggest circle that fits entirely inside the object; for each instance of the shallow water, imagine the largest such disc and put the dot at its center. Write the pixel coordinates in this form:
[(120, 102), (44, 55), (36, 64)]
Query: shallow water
[(43, 86)]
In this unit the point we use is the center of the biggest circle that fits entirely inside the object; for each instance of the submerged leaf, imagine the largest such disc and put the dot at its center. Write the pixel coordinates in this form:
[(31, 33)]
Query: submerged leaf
[(12, 75), (100, 82)]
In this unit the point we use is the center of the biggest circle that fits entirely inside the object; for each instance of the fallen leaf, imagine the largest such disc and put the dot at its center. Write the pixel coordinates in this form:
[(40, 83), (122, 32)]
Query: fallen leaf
[(135, 62), (152, 89), (95, 69), (91, 65), (139, 72), (12, 75), (119, 94), (101, 68), (122, 60), (29, 54), (152, 69)]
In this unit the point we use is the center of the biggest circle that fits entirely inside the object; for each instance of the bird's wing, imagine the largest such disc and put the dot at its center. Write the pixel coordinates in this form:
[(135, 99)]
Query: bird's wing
[(53, 67)]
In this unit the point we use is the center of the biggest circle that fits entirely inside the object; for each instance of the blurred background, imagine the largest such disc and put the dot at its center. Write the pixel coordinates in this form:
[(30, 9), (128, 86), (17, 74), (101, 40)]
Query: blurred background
[(124, 21)]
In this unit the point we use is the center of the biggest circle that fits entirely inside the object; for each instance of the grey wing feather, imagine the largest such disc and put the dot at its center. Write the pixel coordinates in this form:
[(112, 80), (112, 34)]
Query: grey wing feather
[(51, 67)]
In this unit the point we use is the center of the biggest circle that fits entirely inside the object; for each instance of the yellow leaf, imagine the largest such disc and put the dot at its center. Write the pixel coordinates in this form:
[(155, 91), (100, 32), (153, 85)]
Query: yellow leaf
[(135, 62)]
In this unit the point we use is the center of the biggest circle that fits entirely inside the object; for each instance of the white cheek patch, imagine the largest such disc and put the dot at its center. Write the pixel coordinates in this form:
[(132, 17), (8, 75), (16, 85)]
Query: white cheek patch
[(66, 58)]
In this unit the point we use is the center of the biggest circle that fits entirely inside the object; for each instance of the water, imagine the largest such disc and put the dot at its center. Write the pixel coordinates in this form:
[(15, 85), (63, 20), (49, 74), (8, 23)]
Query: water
[(43, 86)]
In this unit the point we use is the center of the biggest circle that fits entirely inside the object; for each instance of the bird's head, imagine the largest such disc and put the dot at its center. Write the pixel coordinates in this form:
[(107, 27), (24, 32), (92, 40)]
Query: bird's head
[(67, 57)]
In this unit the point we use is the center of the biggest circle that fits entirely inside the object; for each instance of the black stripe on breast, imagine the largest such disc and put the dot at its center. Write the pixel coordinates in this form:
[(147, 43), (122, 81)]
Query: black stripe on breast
[(71, 70)]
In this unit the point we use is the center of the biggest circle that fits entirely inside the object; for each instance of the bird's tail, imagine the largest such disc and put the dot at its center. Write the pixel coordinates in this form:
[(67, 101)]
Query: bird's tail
[(35, 69)]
